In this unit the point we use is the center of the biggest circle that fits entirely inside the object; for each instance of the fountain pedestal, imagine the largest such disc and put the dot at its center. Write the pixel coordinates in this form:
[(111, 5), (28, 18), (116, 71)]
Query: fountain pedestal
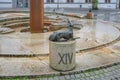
[(62, 55), (36, 16)]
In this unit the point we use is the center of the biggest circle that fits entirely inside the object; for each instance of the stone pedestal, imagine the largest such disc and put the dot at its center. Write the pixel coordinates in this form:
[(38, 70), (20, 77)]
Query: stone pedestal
[(36, 16), (62, 55)]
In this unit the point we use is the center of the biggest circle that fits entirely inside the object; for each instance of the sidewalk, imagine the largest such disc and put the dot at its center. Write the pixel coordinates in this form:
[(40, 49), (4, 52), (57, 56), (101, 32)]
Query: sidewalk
[(73, 10)]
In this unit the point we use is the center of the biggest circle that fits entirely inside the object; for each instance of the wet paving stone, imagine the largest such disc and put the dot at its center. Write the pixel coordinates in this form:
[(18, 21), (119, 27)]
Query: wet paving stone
[(62, 78), (77, 76), (56, 78), (67, 77), (51, 78), (44, 79), (72, 76), (91, 73)]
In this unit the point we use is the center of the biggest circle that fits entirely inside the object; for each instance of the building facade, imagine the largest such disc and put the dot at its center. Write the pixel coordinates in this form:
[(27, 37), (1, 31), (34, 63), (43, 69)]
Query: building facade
[(5, 3), (113, 4)]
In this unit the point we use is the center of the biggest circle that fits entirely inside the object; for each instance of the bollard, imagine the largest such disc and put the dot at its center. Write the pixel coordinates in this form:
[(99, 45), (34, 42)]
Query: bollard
[(62, 55)]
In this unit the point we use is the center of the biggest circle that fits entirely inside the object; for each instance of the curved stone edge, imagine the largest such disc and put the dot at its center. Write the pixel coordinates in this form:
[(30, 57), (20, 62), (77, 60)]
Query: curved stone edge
[(63, 73), (103, 45), (100, 46), (78, 52), (15, 18), (34, 55)]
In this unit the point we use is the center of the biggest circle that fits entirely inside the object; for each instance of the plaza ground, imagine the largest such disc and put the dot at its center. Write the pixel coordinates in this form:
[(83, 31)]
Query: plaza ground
[(110, 72)]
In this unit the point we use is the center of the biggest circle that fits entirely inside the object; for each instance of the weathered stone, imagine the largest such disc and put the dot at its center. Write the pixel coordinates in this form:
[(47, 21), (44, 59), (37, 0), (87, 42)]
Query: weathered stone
[(62, 55), (56, 78), (77, 75), (61, 78), (67, 77)]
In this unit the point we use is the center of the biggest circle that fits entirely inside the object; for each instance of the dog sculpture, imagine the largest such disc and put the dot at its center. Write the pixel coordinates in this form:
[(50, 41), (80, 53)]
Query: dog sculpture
[(63, 35)]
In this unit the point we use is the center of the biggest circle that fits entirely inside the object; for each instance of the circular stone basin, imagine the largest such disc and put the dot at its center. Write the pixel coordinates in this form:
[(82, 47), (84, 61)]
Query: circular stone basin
[(94, 33)]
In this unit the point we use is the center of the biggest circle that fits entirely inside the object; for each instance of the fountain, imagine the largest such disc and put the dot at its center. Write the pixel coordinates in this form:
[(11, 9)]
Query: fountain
[(94, 49)]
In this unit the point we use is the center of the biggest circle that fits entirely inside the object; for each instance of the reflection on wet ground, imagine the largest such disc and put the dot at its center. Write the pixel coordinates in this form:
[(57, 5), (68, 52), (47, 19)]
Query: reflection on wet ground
[(12, 15), (112, 17), (93, 33)]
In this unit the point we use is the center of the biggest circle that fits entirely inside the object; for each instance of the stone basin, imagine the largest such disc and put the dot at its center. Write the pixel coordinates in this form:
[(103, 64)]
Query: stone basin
[(94, 33)]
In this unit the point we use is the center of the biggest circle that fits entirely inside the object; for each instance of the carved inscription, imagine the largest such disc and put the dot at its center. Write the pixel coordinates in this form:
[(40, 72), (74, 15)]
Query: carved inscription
[(65, 58)]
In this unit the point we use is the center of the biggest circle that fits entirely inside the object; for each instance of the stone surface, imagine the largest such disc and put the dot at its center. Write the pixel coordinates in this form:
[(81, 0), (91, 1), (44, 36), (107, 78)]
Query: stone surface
[(27, 44), (62, 55), (105, 32)]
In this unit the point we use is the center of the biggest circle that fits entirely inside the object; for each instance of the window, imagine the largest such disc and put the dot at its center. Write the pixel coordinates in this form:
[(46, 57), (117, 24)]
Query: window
[(50, 1), (107, 1), (70, 1), (88, 1)]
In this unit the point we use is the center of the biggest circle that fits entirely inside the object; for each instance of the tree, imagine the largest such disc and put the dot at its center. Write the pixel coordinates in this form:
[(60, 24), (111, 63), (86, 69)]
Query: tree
[(95, 4)]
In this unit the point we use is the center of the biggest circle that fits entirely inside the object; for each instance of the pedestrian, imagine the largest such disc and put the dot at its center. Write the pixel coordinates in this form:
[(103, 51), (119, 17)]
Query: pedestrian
[(89, 14)]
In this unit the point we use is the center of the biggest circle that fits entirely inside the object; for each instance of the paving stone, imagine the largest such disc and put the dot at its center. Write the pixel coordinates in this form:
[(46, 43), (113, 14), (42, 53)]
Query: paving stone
[(97, 72), (88, 78), (51, 78), (116, 76), (44, 79), (105, 70), (37, 79), (109, 69), (77, 75), (111, 77), (67, 77), (98, 79), (108, 78), (114, 72), (101, 71), (87, 74), (119, 66), (72, 76), (110, 74), (56, 78), (116, 79), (107, 74), (104, 79), (96, 76), (92, 78), (114, 67), (117, 71), (82, 75), (92, 73), (82, 78), (61, 78), (78, 79), (100, 75), (72, 79)]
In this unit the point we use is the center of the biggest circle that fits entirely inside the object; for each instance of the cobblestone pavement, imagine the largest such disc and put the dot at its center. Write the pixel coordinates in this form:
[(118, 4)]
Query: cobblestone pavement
[(109, 73), (106, 73)]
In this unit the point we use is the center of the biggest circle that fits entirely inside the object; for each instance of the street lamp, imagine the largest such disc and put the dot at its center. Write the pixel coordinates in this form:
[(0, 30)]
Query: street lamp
[(57, 4), (119, 4)]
